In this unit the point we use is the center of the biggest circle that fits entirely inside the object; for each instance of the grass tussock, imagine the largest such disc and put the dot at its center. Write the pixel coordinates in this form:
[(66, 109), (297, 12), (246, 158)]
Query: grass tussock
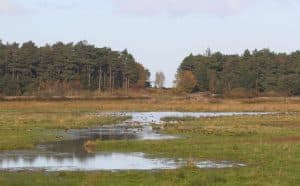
[(24, 130), (89, 146)]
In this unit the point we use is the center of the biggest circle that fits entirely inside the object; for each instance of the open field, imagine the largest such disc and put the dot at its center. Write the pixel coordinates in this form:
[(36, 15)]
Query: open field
[(156, 104), (269, 145)]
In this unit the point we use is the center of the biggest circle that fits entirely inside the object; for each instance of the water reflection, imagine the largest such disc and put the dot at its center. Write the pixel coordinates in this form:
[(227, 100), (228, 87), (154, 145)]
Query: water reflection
[(218, 165), (71, 155), (155, 117), (92, 162), (125, 131)]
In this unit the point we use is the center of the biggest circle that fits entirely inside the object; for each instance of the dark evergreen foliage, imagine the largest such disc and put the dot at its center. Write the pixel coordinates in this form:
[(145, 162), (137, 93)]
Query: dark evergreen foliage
[(257, 72), (27, 69)]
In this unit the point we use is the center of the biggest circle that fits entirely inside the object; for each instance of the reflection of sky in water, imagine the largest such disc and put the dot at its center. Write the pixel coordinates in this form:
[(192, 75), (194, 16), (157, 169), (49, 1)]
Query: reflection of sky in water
[(70, 155), (154, 117), (218, 165), (101, 161), (98, 161)]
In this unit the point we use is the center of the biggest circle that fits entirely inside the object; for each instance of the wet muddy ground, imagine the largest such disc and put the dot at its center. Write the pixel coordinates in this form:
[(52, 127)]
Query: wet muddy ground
[(71, 155)]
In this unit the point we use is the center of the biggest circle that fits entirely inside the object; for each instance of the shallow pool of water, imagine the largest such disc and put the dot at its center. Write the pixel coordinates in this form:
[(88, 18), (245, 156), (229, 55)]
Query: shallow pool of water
[(17, 161), (123, 131), (155, 117), (89, 162), (71, 155)]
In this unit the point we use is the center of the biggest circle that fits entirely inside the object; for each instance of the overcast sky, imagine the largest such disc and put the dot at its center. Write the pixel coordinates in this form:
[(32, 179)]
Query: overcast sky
[(159, 33)]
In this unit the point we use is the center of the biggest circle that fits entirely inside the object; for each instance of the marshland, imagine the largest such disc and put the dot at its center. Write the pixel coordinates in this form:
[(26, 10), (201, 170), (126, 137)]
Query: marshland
[(149, 92), (166, 142)]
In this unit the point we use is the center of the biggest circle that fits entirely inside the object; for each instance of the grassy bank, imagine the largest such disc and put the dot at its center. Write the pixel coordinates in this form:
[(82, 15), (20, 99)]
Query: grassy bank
[(269, 145), (19, 130), (229, 133), (185, 176)]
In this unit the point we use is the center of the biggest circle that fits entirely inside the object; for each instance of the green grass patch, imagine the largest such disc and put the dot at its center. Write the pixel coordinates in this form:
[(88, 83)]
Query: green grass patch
[(269, 145), (24, 130)]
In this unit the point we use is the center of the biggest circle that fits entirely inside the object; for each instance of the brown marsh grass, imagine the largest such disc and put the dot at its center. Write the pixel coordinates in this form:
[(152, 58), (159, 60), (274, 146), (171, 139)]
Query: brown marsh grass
[(156, 104)]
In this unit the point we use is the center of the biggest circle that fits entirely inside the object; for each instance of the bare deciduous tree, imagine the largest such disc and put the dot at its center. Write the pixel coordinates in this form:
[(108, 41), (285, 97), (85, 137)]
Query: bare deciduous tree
[(159, 79)]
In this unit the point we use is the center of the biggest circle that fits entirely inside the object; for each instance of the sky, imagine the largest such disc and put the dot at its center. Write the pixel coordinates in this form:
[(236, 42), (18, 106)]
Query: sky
[(159, 33)]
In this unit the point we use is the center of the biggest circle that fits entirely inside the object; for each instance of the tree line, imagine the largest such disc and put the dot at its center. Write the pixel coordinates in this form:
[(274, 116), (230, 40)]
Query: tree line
[(253, 73), (26, 69)]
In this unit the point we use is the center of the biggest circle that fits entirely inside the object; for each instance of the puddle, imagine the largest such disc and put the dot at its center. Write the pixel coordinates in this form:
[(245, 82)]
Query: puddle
[(139, 126), (70, 155), (218, 165), (120, 132), (155, 117), (90, 162), (19, 161)]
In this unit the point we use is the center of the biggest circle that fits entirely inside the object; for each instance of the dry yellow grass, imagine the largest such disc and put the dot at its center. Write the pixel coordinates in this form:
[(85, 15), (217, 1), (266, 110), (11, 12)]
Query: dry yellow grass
[(157, 104), (90, 146)]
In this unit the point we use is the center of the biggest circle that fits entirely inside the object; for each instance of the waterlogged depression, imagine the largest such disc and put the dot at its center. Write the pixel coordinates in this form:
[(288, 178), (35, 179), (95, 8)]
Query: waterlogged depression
[(88, 162), (71, 155), (18, 161), (155, 117)]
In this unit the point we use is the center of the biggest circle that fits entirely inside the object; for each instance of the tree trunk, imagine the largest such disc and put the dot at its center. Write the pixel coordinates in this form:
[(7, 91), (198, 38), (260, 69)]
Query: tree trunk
[(110, 79), (113, 82), (104, 80), (13, 75), (100, 78), (89, 72), (124, 83), (128, 83)]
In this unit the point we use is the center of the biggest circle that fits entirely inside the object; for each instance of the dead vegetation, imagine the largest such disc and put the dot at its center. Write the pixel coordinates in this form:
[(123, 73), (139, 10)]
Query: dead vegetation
[(89, 146), (289, 139), (156, 104)]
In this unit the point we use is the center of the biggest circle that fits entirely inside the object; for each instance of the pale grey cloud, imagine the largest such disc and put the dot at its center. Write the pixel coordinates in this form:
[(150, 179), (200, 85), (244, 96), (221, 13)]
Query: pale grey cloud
[(145, 7), (16, 7), (7, 7), (186, 7), (58, 4)]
